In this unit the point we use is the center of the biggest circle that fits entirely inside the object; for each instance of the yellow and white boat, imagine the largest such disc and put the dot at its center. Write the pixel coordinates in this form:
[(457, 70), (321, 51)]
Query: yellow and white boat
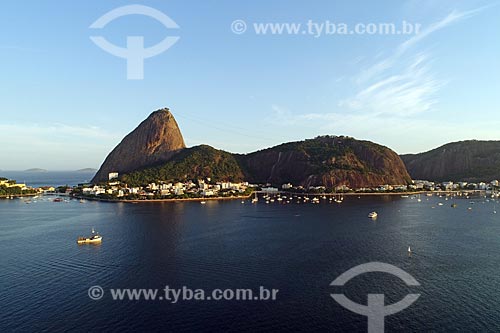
[(94, 238)]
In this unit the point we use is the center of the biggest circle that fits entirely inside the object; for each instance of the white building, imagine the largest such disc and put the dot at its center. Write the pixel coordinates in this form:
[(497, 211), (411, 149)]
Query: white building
[(269, 189), (112, 175)]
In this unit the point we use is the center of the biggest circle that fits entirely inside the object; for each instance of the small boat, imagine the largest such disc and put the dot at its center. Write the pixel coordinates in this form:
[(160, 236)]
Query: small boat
[(373, 215), (454, 205), (94, 238), (203, 202), (440, 204), (58, 200), (409, 251)]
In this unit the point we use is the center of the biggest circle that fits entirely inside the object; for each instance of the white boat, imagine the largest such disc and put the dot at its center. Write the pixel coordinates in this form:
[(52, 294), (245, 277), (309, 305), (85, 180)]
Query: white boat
[(409, 251), (203, 202), (373, 215), (94, 238)]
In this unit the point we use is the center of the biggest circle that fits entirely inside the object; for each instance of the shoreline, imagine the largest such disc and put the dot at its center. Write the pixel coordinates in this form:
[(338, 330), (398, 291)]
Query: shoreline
[(135, 201), (7, 196), (165, 200)]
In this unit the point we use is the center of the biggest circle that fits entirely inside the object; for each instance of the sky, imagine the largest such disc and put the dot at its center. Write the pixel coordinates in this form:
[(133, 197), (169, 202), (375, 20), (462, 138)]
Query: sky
[(65, 102)]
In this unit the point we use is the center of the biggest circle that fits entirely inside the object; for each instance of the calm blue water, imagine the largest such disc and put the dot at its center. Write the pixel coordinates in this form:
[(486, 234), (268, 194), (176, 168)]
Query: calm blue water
[(49, 178), (298, 249)]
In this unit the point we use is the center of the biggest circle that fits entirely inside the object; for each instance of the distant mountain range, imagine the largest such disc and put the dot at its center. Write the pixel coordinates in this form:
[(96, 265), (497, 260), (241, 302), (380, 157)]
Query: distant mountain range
[(155, 150), (471, 161)]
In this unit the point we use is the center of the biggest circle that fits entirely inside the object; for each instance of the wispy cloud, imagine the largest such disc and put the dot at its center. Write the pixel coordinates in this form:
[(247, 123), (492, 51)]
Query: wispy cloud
[(55, 131), (54, 146), (405, 93), (402, 48), (402, 83)]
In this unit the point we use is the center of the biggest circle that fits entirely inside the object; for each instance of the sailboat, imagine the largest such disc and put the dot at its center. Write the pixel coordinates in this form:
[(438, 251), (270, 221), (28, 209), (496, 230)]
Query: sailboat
[(409, 251)]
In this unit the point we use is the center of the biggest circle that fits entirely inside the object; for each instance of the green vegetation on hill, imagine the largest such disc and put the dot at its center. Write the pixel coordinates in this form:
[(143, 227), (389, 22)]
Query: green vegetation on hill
[(190, 164), (327, 160)]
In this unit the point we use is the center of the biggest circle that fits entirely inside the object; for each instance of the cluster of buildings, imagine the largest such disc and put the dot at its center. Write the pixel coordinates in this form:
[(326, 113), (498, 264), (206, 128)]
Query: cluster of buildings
[(201, 188), (10, 183), (206, 188), (452, 186), (417, 185)]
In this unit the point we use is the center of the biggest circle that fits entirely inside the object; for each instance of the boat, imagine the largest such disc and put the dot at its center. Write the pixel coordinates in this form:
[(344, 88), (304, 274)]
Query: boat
[(440, 203), (203, 202), (409, 251), (94, 238), (373, 215), (58, 200), (454, 205)]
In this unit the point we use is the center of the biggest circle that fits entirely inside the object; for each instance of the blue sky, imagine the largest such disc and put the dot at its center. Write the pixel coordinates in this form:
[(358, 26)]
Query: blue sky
[(66, 103)]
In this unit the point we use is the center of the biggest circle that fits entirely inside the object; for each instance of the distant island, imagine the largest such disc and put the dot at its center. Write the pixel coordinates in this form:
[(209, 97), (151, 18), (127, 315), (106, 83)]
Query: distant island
[(87, 170), (35, 170)]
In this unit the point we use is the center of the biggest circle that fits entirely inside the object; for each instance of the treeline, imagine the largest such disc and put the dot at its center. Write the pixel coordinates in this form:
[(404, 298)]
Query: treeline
[(199, 162)]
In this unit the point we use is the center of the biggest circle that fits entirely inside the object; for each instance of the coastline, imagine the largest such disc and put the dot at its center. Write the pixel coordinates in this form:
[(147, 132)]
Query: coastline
[(135, 201), (165, 200), (7, 196)]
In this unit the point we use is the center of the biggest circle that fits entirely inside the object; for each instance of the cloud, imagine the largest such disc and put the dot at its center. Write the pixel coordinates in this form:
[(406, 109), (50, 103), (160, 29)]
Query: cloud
[(56, 146), (408, 92), (54, 132), (402, 83), (402, 48)]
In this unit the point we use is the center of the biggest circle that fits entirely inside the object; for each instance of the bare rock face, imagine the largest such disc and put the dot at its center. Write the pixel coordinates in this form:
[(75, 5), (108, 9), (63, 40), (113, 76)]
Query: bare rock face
[(471, 161), (154, 141), (328, 161)]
